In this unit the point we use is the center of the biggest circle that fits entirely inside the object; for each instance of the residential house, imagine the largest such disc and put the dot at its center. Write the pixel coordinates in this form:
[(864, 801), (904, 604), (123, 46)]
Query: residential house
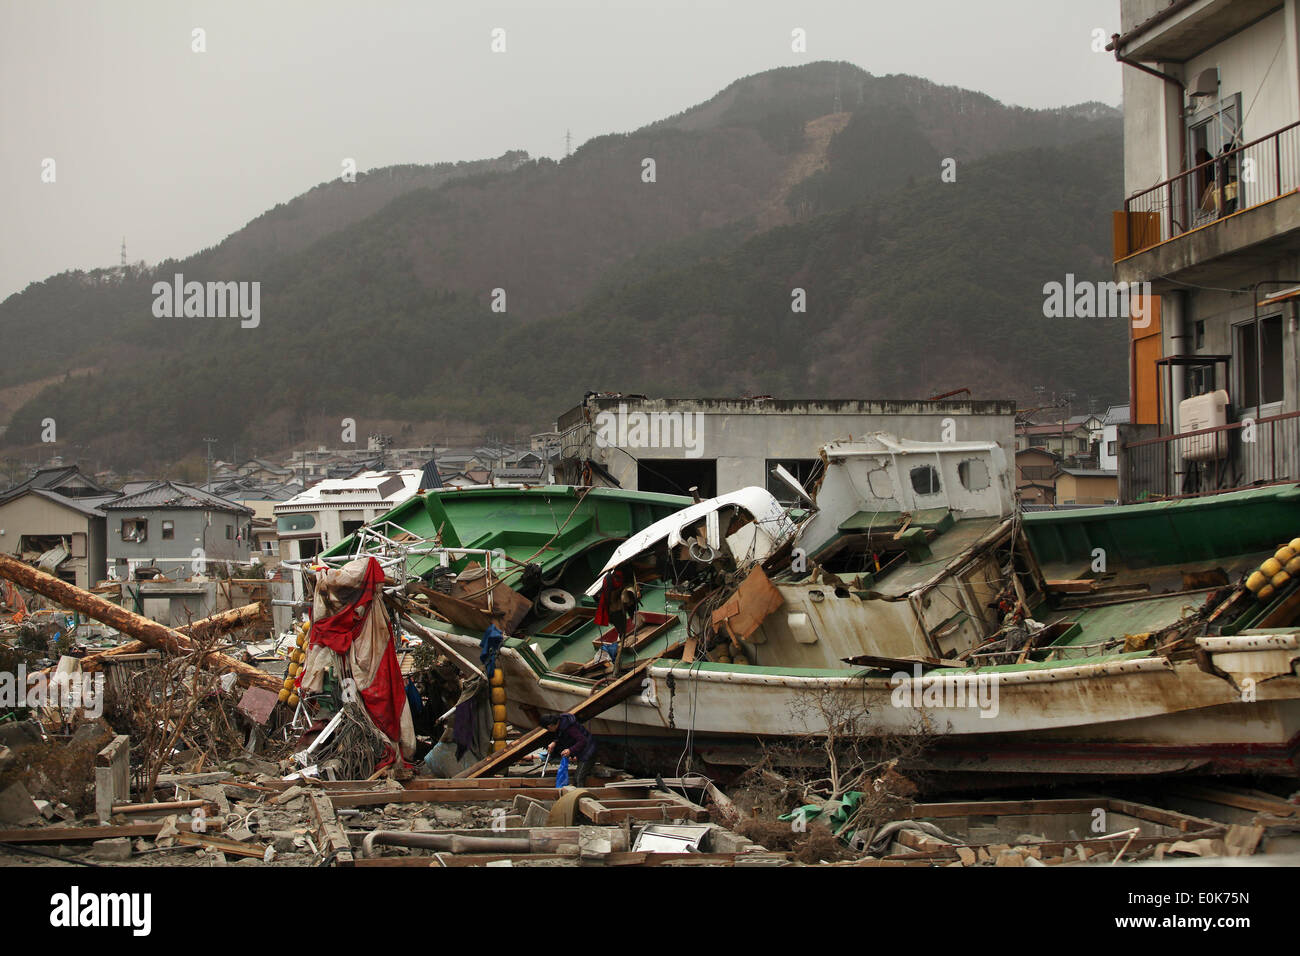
[(1067, 440), (1212, 223), (177, 528), (329, 511), (1086, 486), (1036, 470), (1108, 450), (66, 535)]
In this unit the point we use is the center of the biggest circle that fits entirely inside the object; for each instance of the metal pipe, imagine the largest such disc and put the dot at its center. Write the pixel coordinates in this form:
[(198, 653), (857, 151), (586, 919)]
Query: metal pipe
[(443, 842)]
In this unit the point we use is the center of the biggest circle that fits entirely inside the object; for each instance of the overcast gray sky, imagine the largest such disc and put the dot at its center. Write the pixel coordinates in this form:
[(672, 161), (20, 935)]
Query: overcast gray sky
[(175, 149)]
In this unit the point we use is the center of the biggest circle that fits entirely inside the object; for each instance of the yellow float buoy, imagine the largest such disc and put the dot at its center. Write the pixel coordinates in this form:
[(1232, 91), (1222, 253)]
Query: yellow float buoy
[(293, 700), (284, 694), (1293, 566), (288, 683), (1280, 579), (499, 731), (1295, 545), (1271, 567), (498, 678), (1266, 592), (499, 713), (1256, 581), (1284, 554), (498, 695)]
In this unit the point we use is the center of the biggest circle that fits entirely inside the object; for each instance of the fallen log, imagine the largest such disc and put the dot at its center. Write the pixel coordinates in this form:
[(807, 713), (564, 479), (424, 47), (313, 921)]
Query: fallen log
[(127, 622), (216, 624)]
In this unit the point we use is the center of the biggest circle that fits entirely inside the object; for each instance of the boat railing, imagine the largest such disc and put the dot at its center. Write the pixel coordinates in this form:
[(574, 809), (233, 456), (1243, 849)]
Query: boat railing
[(1231, 457)]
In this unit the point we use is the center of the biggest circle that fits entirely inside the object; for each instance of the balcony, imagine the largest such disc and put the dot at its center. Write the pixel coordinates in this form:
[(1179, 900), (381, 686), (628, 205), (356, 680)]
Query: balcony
[(1211, 460), (1196, 224)]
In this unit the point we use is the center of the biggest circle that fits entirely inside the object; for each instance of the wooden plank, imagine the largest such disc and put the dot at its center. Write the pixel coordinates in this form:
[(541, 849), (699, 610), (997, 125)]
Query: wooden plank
[(229, 847), (86, 834), (468, 795), (112, 776), (1242, 801), (921, 811), (333, 840), (609, 695), (170, 807)]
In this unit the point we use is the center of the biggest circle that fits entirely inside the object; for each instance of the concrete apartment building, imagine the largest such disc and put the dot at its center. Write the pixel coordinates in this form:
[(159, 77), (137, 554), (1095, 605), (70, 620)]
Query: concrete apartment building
[(1212, 222), (721, 445)]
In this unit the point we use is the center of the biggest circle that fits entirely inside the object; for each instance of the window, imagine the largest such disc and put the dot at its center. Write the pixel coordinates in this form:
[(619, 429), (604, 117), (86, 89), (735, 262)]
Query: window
[(973, 474), (1037, 441), (1259, 362), (168, 530), (1112, 448), (805, 471), (676, 476), (135, 529), (925, 480), (230, 532), (1199, 334)]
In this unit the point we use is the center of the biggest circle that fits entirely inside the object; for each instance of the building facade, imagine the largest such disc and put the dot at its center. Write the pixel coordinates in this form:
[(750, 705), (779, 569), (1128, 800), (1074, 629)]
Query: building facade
[(177, 528), (1211, 224), (713, 446)]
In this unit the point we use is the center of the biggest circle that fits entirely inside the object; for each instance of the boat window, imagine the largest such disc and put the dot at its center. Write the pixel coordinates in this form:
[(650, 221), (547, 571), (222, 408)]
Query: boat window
[(925, 480), (973, 474), (881, 486)]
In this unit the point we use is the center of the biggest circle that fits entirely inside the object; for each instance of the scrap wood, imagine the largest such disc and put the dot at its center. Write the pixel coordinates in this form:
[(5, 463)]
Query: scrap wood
[(129, 808), (128, 622), (1241, 799), (233, 847), (333, 839), (216, 624), (89, 834)]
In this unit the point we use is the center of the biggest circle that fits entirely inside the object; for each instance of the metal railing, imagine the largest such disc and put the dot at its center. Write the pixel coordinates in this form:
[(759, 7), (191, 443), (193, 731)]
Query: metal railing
[(1230, 182), (1210, 460)]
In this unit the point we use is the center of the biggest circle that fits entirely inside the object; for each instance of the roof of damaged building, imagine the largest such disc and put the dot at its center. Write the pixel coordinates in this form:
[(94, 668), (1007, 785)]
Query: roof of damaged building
[(173, 494), (88, 506)]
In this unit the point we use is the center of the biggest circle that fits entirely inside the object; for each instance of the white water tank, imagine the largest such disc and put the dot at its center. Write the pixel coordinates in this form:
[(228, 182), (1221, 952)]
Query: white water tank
[(1199, 412)]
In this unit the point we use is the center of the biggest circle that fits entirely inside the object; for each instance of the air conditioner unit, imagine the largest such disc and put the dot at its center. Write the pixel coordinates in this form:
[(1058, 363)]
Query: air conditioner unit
[(1199, 412)]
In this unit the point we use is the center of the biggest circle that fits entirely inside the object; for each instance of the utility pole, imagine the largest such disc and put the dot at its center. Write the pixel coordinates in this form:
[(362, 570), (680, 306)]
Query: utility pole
[(568, 142), (209, 442)]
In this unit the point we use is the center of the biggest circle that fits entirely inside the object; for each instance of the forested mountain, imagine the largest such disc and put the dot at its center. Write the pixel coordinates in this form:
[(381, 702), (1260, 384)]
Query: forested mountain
[(376, 296)]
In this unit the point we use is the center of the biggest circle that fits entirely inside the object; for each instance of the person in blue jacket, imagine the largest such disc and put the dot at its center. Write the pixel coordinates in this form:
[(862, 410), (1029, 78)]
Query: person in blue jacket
[(571, 740)]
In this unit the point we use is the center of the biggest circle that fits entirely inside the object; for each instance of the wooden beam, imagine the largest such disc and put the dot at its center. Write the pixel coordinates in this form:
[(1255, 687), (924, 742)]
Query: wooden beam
[(468, 795), (331, 835), (128, 622), (609, 695), (230, 847), (216, 624), (87, 834)]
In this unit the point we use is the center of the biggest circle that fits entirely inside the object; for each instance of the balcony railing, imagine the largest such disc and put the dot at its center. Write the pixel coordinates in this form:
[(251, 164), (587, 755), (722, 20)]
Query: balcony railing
[(1230, 182), (1210, 460)]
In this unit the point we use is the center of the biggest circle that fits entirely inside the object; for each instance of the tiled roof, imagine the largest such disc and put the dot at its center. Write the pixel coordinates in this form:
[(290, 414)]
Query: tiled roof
[(173, 494)]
